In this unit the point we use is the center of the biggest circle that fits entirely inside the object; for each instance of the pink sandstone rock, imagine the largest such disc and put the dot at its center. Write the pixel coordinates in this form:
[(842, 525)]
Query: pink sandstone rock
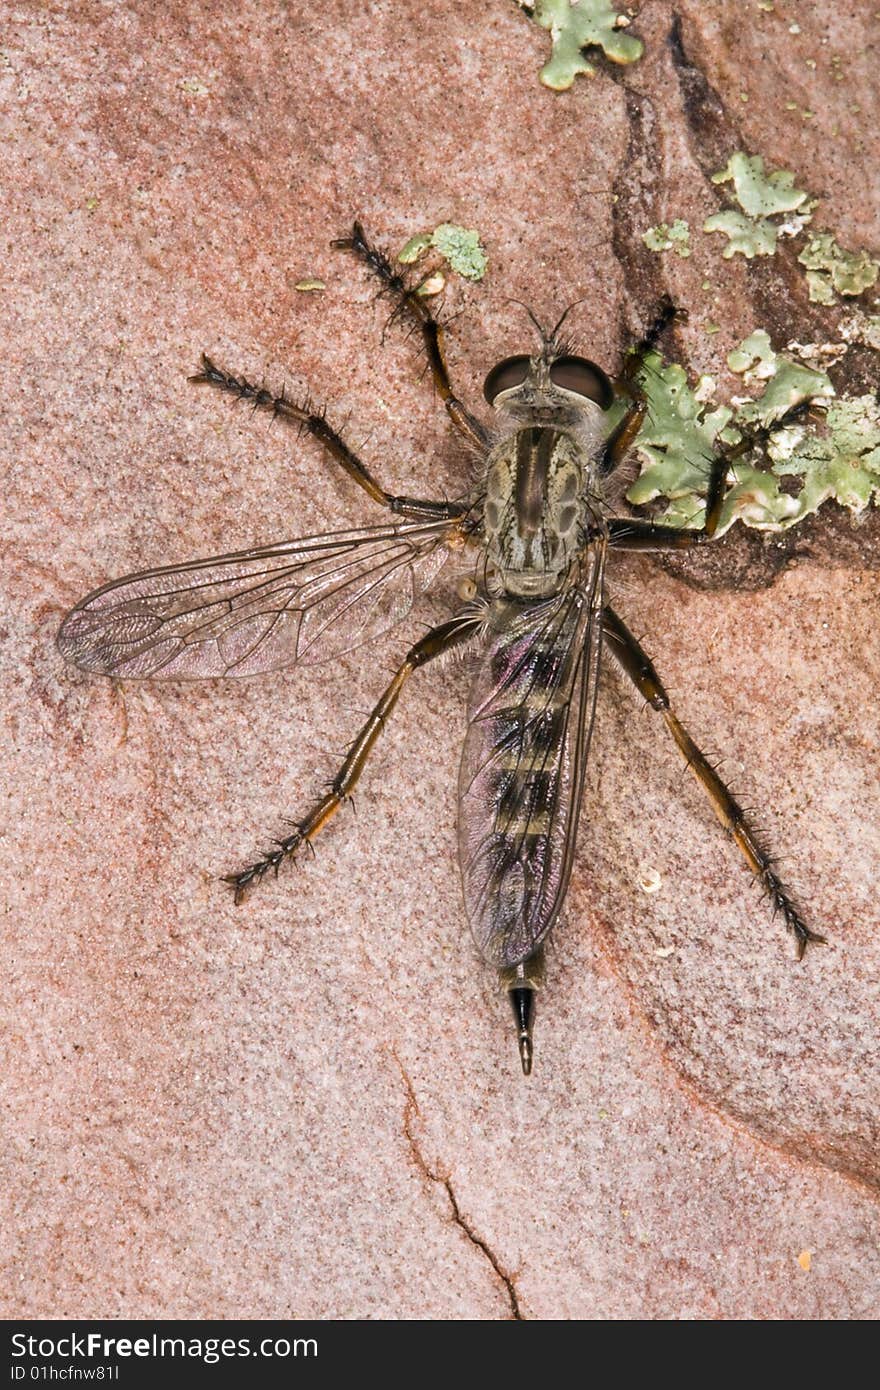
[(311, 1105)]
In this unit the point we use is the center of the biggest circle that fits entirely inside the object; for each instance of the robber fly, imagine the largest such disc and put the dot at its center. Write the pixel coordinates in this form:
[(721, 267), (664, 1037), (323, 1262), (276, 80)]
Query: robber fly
[(542, 527)]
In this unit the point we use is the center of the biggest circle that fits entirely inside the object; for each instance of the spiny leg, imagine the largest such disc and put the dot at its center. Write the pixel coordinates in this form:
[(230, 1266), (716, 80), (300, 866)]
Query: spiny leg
[(635, 535), (667, 314), (641, 672), (439, 640), (432, 332), (316, 424), (622, 437), (649, 535)]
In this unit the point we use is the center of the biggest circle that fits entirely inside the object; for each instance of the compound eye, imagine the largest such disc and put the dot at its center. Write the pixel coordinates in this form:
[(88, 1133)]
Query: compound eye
[(509, 374), (584, 378)]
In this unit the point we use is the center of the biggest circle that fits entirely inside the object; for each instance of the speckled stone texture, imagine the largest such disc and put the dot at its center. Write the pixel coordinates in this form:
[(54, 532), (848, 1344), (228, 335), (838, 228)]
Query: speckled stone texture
[(311, 1105)]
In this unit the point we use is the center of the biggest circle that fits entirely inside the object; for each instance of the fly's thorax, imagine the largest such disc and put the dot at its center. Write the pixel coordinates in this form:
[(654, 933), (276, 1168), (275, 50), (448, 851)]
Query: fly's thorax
[(536, 510)]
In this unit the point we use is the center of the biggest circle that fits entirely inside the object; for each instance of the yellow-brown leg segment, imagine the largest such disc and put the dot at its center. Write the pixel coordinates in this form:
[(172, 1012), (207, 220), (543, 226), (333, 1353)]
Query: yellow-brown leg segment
[(636, 535), (432, 333), (439, 640), (622, 437), (638, 667), (315, 424)]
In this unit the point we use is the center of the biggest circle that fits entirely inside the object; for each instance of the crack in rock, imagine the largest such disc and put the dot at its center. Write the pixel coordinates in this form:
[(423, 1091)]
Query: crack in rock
[(411, 1111)]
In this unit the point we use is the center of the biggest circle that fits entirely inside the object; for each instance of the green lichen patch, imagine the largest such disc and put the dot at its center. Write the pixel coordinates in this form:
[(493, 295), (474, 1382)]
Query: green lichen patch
[(459, 246), (762, 197), (820, 288), (673, 237), (843, 463), (676, 443), (775, 486), (760, 194), (746, 236), (756, 499), (576, 26), (754, 359), (831, 269), (787, 382), (414, 248)]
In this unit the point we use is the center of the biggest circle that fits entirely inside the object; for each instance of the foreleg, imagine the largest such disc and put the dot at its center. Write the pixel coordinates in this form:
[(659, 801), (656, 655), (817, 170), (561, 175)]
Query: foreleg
[(432, 332), (315, 424)]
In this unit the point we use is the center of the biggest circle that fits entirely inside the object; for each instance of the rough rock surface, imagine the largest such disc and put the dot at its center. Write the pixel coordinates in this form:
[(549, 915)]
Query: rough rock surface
[(311, 1105)]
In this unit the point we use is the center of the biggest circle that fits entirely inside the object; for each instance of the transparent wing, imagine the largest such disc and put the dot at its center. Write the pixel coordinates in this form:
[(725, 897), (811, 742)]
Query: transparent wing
[(523, 766), (257, 610)]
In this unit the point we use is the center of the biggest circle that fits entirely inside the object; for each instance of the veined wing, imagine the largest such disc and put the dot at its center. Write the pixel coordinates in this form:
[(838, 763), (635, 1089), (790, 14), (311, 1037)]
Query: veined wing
[(257, 610), (522, 772)]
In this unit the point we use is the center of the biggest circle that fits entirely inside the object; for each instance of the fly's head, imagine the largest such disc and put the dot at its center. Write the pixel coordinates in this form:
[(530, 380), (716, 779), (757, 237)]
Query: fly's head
[(539, 476)]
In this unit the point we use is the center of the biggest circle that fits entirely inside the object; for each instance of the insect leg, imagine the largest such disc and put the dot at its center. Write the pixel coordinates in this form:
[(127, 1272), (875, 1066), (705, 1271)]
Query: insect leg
[(439, 640), (629, 535), (667, 314), (641, 672), (315, 423), (645, 535), (624, 534), (621, 439), (432, 333)]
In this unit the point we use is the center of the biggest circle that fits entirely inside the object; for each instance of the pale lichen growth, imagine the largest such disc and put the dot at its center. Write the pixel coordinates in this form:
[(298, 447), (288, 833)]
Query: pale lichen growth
[(672, 237), (575, 27), (434, 284), (459, 246), (838, 459), (862, 328), (650, 880), (194, 87), (830, 269), (818, 355), (761, 196)]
